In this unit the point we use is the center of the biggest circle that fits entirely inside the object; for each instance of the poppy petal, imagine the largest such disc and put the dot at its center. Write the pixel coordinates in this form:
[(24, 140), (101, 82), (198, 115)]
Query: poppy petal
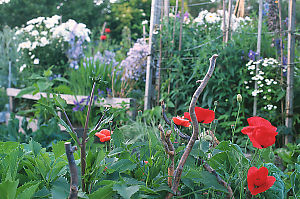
[(182, 122), (105, 132)]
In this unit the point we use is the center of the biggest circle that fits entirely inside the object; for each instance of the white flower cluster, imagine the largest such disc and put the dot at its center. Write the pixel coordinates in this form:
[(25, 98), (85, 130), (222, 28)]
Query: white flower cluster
[(4, 1), (65, 30), (270, 107), (216, 18), (42, 31), (266, 85)]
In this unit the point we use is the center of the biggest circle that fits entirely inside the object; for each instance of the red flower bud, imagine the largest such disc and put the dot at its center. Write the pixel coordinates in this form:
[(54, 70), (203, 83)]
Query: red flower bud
[(103, 37), (107, 30)]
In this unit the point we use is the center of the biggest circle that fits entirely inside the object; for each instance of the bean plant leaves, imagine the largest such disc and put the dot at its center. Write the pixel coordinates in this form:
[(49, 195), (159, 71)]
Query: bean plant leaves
[(35, 147), (61, 188), (103, 192), (27, 90), (8, 189), (124, 191), (27, 190)]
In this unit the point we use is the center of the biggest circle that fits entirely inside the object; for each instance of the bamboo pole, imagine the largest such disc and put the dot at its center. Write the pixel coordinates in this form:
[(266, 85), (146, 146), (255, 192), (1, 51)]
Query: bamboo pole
[(290, 70), (224, 21), (258, 52), (281, 56), (160, 53), (154, 21), (181, 24), (229, 21)]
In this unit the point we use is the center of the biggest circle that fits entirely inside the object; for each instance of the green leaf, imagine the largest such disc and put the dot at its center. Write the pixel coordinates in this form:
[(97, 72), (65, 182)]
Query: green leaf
[(8, 189), (61, 188), (61, 79), (60, 102), (27, 190), (123, 165), (58, 149), (44, 85), (116, 151), (103, 192), (124, 191), (35, 147), (118, 138), (207, 179), (277, 191), (24, 91), (7, 147)]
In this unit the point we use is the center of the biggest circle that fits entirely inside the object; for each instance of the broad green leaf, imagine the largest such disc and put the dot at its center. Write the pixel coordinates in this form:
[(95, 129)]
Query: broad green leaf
[(59, 149), (123, 165), (124, 191), (24, 91), (116, 151), (35, 147), (61, 188), (105, 192), (277, 191), (61, 79), (27, 190), (206, 178), (118, 138), (60, 102), (8, 189), (44, 85)]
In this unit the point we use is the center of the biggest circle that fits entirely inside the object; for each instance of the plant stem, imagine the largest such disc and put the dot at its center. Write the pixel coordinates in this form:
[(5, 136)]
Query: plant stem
[(84, 136), (236, 120)]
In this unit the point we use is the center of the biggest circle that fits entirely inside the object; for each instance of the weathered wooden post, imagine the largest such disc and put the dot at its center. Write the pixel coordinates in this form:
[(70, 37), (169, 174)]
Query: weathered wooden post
[(290, 70), (154, 25), (258, 52), (229, 21)]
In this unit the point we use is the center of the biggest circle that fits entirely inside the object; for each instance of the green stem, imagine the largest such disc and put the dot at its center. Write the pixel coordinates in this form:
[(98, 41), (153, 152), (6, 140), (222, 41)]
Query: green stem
[(236, 120), (255, 154)]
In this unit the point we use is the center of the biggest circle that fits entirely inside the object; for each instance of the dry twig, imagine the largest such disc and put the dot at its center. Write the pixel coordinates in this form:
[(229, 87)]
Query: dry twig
[(170, 150), (73, 170)]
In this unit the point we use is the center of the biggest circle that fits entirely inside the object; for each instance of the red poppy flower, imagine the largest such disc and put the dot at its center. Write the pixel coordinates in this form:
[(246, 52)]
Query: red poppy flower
[(146, 162), (103, 37), (107, 30), (104, 135), (181, 121), (258, 180), (261, 132), (203, 115)]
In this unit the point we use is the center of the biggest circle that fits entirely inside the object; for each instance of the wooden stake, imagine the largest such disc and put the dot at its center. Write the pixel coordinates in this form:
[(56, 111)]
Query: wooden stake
[(281, 56), (229, 21), (154, 22), (258, 52), (290, 70), (181, 24), (224, 21)]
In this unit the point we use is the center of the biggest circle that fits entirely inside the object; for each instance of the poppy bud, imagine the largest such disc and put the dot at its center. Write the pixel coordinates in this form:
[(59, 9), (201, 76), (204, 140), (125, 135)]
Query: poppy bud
[(107, 30), (239, 98), (103, 37)]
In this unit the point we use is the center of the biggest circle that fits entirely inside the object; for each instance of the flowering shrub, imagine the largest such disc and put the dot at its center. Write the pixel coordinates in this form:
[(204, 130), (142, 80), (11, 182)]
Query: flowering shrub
[(46, 41), (206, 18), (134, 66), (268, 81)]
